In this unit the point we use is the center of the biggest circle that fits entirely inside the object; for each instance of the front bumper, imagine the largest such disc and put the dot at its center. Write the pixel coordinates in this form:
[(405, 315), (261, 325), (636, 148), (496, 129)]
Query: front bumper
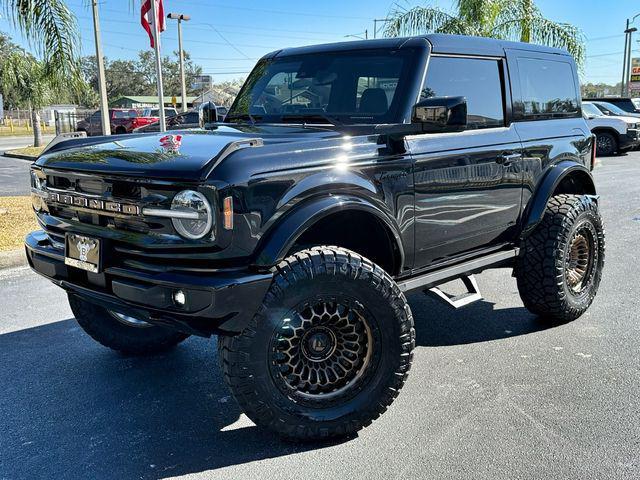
[(216, 303), (629, 140)]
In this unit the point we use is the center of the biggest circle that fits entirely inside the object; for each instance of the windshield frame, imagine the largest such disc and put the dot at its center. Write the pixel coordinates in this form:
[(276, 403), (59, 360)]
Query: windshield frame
[(399, 111)]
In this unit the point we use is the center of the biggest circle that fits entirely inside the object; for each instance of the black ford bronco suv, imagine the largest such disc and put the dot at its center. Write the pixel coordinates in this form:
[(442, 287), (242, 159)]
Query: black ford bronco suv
[(342, 177)]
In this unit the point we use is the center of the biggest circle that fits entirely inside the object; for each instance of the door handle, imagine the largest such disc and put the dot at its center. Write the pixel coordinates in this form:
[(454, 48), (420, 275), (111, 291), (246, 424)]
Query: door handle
[(508, 159)]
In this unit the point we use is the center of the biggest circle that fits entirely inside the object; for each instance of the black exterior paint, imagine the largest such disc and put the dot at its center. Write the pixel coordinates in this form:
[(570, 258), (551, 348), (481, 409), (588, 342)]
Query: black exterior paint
[(303, 174)]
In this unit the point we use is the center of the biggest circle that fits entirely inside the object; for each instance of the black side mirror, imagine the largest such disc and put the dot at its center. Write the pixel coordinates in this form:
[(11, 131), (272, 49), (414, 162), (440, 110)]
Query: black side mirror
[(208, 114), (441, 114)]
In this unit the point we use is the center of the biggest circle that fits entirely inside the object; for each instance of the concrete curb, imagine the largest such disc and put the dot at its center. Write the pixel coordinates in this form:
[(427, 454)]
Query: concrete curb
[(8, 154), (13, 258)]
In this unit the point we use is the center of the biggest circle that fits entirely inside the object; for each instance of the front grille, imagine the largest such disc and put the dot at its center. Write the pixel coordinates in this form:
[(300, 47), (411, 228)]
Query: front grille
[(129, 240)]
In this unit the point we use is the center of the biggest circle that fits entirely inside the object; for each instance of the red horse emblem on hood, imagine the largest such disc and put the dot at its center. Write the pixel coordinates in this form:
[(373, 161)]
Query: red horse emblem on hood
[(171, 142)]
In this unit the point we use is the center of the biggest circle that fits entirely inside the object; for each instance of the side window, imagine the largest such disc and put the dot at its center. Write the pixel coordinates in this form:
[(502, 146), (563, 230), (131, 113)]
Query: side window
[(478, 80), (548, 89)]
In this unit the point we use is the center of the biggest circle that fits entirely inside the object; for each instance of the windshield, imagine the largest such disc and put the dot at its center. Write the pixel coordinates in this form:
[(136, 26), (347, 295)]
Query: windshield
[(357, 87), (613, 108), (591, 110)]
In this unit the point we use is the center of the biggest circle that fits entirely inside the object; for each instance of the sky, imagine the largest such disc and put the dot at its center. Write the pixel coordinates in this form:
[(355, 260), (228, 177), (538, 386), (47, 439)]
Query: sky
[(226, 37)]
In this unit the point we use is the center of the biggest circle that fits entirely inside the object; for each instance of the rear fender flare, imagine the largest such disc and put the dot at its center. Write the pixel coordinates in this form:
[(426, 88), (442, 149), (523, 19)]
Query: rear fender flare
[(547, 187)]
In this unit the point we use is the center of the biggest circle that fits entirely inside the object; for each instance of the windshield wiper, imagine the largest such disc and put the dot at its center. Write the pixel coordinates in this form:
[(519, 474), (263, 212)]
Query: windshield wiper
[(310, 117), (242, 116)]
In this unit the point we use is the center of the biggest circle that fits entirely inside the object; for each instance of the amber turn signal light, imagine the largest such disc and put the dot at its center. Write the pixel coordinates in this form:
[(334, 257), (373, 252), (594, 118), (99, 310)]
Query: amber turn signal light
[(227, 211)]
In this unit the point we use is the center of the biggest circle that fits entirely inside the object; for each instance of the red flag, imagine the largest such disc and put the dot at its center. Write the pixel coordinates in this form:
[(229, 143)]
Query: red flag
[(147, 21)]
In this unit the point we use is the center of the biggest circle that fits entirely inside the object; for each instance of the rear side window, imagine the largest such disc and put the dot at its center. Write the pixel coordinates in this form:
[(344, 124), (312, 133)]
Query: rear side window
[(548, 89), (478, 80)]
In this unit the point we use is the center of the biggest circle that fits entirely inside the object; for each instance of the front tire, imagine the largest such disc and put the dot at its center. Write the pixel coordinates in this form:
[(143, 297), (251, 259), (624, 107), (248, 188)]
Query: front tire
[(327, 352), (606, 144), (119, 332), (560, 264)]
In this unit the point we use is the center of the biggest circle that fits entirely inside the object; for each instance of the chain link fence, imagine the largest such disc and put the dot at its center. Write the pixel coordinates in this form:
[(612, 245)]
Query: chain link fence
[(67, 121)]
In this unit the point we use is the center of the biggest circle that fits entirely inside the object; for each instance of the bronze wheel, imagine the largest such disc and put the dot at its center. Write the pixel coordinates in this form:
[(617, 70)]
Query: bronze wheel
[(322, 349), (327, 352), (579, 261)]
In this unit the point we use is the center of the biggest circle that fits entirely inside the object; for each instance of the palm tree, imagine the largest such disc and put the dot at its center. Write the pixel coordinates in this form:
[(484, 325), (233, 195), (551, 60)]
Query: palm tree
[(51, 29), (32, 83), (519, 20)]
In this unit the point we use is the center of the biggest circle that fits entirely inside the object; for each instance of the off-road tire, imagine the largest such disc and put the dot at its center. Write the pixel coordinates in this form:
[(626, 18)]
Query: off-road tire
[(108, 331), (606, 144), (306, 276), (120, 131), (542, 269)]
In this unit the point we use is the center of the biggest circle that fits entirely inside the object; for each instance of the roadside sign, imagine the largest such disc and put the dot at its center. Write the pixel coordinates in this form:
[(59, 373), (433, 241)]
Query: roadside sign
[(634, 78)]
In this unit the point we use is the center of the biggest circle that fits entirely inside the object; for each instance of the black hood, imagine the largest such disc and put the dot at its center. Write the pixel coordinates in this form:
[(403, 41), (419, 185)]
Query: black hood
[(183, 155)]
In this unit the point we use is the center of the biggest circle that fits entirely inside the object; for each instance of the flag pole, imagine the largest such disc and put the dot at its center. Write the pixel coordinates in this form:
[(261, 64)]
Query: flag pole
[(156, 43)]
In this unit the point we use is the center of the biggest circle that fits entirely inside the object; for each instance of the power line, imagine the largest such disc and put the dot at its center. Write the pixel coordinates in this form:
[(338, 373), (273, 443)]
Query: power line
[(276, 12)]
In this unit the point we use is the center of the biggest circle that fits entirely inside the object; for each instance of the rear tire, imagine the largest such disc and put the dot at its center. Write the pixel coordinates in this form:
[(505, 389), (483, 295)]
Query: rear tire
[(560, 263), (606, 144), (122, 333), (327, 352)]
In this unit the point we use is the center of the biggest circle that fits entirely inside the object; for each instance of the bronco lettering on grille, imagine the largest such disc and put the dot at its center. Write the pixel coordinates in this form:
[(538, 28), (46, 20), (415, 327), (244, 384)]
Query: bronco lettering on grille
[(93, 203)]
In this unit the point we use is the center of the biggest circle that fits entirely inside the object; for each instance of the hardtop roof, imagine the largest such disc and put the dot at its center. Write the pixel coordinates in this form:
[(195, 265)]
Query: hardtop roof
[(440, 43)]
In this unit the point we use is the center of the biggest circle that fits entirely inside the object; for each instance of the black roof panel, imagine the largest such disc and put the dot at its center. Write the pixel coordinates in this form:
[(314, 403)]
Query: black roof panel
[(440, 43)]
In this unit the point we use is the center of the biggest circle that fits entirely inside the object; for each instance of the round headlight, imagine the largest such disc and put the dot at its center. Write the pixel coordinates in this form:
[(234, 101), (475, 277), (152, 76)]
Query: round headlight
[(195, 218)]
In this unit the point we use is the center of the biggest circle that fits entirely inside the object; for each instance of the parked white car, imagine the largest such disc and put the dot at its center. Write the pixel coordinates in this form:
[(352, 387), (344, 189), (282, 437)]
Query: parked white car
[(614, 134)]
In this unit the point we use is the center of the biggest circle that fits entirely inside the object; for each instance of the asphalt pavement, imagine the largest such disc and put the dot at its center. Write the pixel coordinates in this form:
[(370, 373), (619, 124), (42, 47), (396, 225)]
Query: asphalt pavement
[(494, 392), (14, 173)]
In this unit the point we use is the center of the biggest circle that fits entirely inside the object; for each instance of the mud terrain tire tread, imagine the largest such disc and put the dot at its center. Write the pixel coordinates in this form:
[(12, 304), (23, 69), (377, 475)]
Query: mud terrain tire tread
[(305, 265), (540, 265)]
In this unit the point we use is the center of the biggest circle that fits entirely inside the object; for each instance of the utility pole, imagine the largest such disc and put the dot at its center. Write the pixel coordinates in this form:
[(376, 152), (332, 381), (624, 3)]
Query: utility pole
[(102, 87), (180, 17), (375, 25), (156, 43), (628, 59), (624, 60)]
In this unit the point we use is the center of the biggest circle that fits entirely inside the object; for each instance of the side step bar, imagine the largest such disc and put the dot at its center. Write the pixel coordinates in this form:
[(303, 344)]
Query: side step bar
[(458, 301), (465, 269)]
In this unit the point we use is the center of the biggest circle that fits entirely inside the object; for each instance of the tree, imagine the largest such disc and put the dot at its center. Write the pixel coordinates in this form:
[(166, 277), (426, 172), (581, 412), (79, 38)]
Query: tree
[(519, 20), (51, 28), (32, 83), (138, 77)]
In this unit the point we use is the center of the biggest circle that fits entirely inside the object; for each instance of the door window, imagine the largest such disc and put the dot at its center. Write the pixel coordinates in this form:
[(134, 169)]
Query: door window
[(478, 80)]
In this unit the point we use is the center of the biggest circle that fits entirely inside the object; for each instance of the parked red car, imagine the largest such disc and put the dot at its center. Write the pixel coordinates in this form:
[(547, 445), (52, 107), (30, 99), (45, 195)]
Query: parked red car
[(120, 118), (148, 116)]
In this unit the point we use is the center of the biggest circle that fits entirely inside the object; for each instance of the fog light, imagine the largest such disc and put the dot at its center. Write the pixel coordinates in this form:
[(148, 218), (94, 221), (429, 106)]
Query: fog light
[(179, 298)]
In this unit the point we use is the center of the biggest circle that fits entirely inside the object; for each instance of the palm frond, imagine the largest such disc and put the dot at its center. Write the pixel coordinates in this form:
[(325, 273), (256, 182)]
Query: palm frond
[(545, 32), (417, 20), (51, 29)]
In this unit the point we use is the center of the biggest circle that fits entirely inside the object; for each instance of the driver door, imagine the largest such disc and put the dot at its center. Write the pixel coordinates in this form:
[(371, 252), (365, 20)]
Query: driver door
[(468, 185)]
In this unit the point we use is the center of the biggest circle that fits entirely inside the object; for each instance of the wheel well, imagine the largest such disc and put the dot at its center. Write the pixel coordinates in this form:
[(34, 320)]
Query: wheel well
[(576, 182), (355, 230), (610, 131), (121, 130)]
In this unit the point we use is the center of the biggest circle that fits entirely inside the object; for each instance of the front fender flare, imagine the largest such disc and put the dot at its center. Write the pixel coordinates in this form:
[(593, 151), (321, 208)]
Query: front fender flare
[(282, 236), (547, 186)]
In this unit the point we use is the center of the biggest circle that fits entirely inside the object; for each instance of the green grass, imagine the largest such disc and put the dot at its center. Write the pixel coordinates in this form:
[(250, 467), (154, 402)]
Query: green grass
[(28, 151)]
